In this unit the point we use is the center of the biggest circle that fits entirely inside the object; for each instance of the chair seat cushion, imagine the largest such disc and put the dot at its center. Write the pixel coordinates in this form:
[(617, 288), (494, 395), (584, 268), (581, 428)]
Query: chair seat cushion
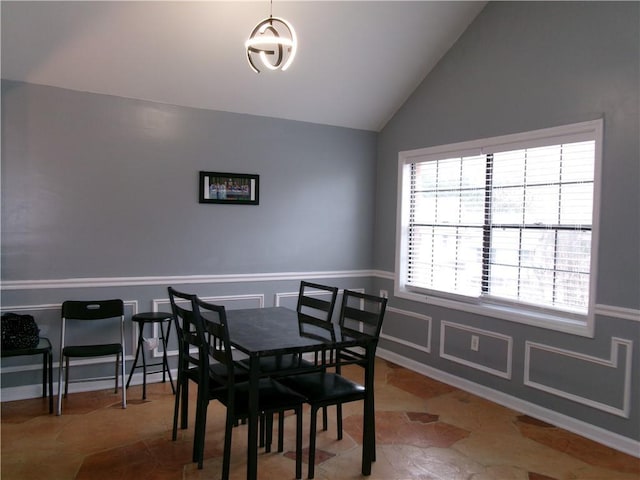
[(219, 370), (92, 350), (239, 372), (273, 396), (324, 387)]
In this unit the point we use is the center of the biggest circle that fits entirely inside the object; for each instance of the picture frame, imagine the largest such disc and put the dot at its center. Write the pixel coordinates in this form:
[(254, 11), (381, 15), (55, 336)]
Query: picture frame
[(229, 188)]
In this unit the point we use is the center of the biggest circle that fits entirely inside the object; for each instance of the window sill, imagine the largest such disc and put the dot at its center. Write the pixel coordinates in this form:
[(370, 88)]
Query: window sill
[(583, 328)]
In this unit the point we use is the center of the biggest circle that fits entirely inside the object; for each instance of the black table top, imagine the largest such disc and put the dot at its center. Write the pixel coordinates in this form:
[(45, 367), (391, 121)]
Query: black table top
[(44, 345), (278, 330)]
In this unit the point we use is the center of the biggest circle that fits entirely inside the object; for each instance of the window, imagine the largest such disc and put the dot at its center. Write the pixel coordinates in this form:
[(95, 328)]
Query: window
[(504, 225)]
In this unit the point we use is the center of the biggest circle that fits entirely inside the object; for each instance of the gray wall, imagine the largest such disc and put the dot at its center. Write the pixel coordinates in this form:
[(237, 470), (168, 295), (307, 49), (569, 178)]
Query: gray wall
[(100, 186), (523, 66)]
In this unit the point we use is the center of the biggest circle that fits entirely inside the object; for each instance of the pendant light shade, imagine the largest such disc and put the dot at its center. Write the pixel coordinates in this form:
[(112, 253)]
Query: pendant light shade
[(272, 45)]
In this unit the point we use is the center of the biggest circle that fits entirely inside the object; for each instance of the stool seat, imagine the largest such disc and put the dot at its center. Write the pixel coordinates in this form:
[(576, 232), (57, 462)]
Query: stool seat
[(142, 319), (151, 317), (43, 348)]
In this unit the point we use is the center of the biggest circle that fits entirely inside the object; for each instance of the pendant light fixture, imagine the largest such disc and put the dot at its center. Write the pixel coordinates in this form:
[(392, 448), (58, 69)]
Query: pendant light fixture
[(273, 41)]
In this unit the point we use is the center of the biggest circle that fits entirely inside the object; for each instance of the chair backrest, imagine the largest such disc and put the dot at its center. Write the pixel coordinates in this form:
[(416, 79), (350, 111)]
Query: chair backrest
[(204, 339), (92, 310), (316, 329), (89, 311), (213, 319), (189, 331), (312, 300), (361, 313)]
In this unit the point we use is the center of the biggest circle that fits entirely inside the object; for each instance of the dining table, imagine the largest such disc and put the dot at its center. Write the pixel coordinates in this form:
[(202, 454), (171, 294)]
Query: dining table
[(273, 331)]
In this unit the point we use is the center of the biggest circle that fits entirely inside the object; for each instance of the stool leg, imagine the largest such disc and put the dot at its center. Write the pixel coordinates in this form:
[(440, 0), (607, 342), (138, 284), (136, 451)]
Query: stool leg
[(135, 361), (144, 369), (165, 360), (164, 353)]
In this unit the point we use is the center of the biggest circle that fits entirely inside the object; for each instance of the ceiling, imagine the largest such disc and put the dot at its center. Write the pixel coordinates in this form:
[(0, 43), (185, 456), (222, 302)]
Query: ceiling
[(357, 62)]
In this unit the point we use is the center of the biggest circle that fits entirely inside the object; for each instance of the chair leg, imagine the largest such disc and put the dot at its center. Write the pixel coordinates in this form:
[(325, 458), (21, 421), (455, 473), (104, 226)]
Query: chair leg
[(226, 456), (176, 411), (59, 405), (339, 419), (298, 441), (122, 374), (200, 430), (116, 375), (184, 421), (196, 431), (325, 419), (373, 434), (66, 377), (268, 427), (312, 441), (280, 431)]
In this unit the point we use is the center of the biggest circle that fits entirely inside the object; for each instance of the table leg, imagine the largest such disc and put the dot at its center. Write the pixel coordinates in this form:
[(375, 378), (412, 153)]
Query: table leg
[(50, 374), (252, 450), (44, 374)]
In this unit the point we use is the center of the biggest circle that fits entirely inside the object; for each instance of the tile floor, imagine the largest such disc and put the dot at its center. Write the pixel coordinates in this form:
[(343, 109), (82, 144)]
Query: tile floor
[(426, 430)]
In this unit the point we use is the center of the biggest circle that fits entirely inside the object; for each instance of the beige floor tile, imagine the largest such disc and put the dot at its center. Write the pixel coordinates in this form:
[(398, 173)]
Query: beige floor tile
[(426, 430)]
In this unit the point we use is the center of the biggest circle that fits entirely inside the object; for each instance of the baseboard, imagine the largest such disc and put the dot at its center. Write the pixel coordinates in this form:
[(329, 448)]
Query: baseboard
[(597, 434), (23, 392)]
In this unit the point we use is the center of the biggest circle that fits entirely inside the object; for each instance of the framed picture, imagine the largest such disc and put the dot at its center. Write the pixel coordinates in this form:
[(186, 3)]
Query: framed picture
[(229, 188)]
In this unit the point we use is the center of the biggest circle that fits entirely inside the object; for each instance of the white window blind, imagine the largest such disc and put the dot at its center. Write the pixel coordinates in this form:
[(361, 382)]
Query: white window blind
[(511, 226)]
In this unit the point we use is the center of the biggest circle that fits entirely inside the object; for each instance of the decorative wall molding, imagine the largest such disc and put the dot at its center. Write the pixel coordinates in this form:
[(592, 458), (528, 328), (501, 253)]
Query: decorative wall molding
[(415, 346), (508, 361), (164, 304), (383, 274), (618, 312), (587, 430), (178, 280), (611, 362), (279, 296), (319, 293), (601, 309)]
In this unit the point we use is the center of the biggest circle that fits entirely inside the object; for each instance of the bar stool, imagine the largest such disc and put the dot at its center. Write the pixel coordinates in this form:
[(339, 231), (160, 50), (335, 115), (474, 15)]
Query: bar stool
[(43, 348), (149, 318)]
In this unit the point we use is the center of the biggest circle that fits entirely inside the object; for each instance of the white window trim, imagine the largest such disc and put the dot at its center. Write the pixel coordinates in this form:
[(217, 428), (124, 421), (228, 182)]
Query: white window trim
[(584, 326)]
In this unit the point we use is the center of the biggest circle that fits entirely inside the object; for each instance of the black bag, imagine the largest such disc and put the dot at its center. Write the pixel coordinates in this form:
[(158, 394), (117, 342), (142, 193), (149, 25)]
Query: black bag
[(19, 331)]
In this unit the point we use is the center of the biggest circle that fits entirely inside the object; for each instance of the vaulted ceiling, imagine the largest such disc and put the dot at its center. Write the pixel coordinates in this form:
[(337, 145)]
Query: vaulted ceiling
[(357, 61)]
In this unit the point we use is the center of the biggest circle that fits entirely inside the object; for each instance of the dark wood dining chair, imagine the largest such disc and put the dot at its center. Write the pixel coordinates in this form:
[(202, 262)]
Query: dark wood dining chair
[(214, 348), (107, 320), (361, 315), (188, 359), (316, 302), (188, 363)]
